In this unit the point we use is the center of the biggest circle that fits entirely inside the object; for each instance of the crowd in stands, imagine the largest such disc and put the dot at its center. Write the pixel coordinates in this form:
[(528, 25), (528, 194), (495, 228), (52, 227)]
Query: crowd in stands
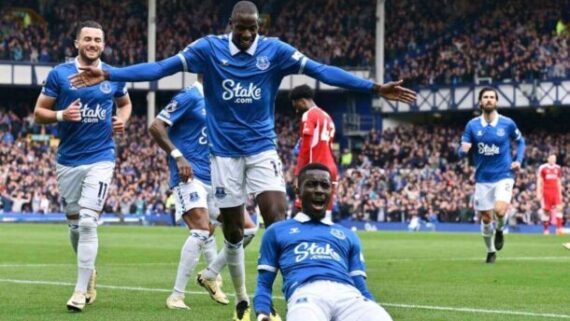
[(402, 172), (455, 42), (426, 42), (302, 23)]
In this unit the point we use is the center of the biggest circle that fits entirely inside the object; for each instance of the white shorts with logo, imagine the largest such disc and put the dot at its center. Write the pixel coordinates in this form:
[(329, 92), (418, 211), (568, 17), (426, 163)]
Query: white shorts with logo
[(84, 186), (194, 194), (327, 301), (233, 178), (487, 194)]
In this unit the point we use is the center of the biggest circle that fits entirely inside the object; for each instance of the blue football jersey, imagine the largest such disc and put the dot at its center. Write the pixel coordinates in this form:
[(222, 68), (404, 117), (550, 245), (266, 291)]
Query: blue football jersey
[(491, 145), (307, 251), (240, 89), (91, 139), (186, 117)]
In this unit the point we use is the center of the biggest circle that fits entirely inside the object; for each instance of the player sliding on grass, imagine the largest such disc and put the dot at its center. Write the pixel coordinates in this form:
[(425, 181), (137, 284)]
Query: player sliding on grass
[(490, 135), (321, 262), (180, 130), (86, 153), (242, 73)]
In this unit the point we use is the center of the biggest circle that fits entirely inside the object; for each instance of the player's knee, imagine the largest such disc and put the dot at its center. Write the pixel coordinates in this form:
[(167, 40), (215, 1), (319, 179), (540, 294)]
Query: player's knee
[(501, 209), (87, 223), (233, 233)]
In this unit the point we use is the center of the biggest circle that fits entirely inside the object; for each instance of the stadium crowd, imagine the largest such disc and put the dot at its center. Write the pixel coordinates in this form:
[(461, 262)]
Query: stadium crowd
[(426, 42), (400, 173), (455, 42), (125, 26)]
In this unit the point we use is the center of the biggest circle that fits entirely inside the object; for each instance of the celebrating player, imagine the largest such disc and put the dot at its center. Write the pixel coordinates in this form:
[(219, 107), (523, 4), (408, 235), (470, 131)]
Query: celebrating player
[(491, 136), (86, 153), (321, 262), (242, 73), (316, 137), (549, 193), (180, 130)]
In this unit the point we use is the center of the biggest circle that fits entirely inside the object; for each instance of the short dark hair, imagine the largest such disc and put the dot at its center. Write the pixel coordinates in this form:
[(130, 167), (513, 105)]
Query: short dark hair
[(308, 167), (244, 7), (303, 91), (486, 89), (87, 24)]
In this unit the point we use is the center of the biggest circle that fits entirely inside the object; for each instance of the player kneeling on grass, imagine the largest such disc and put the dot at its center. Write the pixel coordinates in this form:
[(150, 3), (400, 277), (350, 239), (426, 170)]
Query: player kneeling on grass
[(180, 130), (321, 262)]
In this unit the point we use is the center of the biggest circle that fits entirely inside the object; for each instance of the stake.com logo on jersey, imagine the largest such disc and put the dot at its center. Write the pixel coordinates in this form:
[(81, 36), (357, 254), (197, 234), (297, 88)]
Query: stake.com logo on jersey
[(90, 115), (239, 93), (313, 251)]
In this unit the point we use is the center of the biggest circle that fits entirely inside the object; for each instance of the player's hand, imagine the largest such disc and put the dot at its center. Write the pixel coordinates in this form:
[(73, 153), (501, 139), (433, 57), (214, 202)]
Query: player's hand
[(515, 166), (465, 147), (262, 317), (184, 169), (394, 91), (73, 111), (88, 76), (118, 125)]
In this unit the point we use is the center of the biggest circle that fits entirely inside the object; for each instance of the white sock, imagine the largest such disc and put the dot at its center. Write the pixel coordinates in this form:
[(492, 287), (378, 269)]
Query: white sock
[(248, 235), (500, 222), (236, 265), (87, 247), (189, 256), (487, 232), (210, 250), (217, 265), (73, 226)]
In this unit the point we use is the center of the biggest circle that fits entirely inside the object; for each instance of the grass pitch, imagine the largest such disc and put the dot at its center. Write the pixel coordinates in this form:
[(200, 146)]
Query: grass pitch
[(423, 276)]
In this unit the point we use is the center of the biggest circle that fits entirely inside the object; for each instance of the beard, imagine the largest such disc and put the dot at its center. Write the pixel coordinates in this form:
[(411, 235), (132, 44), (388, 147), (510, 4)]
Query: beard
[(489, 108), (85, 57)]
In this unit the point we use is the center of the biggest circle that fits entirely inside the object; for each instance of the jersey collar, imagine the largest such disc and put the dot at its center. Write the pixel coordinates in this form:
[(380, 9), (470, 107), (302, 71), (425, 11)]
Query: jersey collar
[(493, 123), (199, 86), (77, 65), (234, 50), (303, 218)]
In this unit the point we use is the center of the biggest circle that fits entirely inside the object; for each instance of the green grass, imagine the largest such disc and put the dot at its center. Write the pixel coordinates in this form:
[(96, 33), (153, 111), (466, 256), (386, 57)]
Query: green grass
[(405, 271)]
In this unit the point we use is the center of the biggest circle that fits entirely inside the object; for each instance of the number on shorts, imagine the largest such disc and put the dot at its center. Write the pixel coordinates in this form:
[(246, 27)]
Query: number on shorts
[(277, 169), (102, 189)]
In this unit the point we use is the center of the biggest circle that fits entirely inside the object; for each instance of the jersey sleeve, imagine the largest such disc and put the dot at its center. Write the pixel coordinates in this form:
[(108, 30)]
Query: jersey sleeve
[(195, 55), (269, 252), (356, 266), (51, 86), (292, 61), (467, 136), (515, 133), (174, 111), (121, 90)]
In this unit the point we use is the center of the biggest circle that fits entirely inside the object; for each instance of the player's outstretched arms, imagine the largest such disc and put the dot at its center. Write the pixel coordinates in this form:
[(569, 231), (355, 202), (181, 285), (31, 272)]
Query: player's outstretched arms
[(158, 132), (90, 75), (341, 78), (44, 113), (394, 91)]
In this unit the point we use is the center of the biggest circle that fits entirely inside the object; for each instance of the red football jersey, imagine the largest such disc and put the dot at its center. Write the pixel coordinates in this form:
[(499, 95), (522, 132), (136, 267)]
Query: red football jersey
[(550, 175), (317, 134)]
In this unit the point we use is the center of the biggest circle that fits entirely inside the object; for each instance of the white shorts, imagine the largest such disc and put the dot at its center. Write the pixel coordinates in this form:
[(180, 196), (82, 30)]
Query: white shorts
[(194, 194), (84, 186), (487, 194), (233, 178), (326, 301)]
